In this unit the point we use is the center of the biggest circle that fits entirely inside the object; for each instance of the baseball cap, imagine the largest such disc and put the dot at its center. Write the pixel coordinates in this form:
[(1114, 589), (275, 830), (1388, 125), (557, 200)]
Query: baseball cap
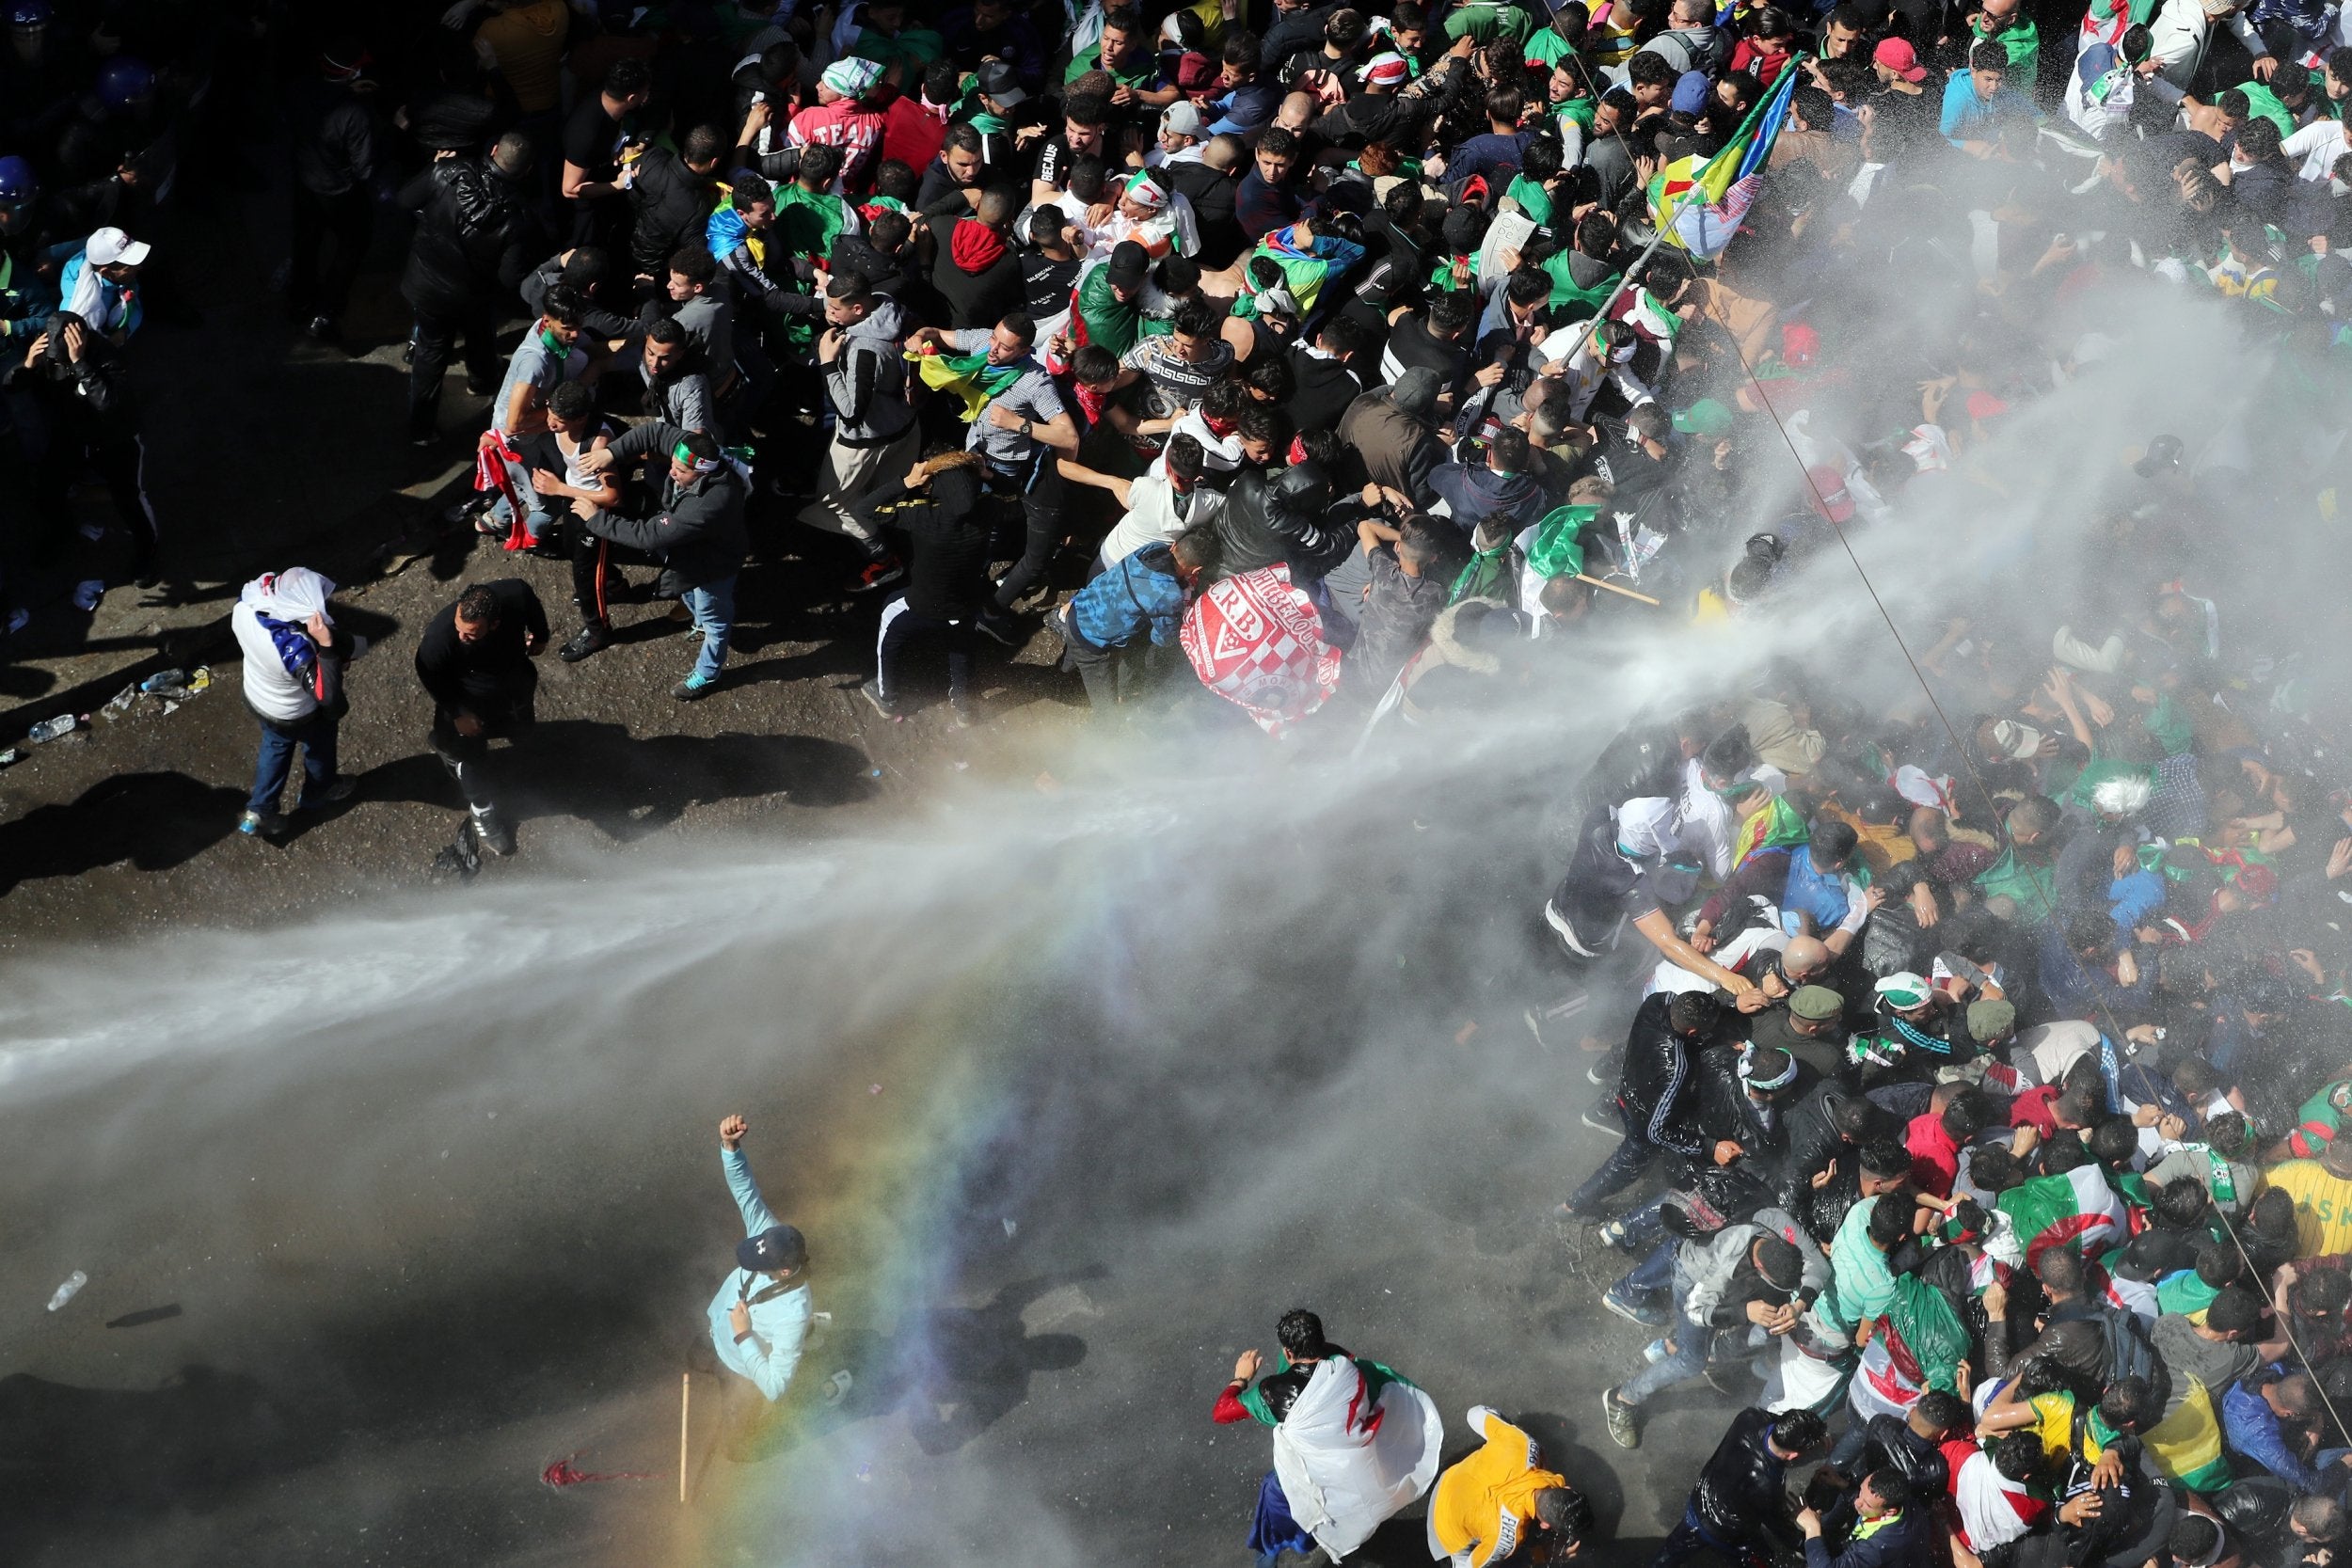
[(1706, 416), (1690, 90), (778, 1247), (2018, 742), (1387, 70), (1897, 56), (1826, 488), (1416, 391), (1184, 119), (1991, 1017), (1817, 1004), (1903, 992), (998, 82), (1128, 264), (110, 247)]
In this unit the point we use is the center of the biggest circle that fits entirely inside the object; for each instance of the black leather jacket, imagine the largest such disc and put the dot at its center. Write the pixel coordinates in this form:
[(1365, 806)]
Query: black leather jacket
[(1742, 1492), (1256, 529), (475, 238), (1660, 1090)]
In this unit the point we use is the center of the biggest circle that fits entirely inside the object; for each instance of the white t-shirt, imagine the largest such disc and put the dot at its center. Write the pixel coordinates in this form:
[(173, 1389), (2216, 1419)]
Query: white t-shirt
[(2319, 144)]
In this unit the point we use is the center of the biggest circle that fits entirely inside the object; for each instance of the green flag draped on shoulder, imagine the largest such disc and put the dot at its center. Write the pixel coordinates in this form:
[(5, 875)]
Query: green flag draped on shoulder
[(969, 376)]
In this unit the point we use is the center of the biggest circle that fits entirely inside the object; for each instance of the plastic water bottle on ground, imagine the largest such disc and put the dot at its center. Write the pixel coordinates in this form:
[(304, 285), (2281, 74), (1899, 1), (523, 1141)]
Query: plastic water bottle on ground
[(163, 678), (50, 729), (74, 1283)]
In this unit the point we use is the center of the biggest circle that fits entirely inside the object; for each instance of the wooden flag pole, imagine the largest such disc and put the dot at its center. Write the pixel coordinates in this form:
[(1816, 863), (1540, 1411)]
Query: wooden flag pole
[(685, 1403), (1615, 589)]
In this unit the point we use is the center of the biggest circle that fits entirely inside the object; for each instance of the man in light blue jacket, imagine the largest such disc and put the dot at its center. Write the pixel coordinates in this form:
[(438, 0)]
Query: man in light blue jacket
[(759, 1320)]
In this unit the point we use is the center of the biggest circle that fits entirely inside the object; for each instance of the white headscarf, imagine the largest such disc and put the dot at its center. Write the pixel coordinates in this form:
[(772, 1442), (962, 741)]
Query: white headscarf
[(293, 596)]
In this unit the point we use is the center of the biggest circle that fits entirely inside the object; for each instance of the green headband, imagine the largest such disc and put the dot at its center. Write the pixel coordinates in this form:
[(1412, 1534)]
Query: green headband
[(684, 454)]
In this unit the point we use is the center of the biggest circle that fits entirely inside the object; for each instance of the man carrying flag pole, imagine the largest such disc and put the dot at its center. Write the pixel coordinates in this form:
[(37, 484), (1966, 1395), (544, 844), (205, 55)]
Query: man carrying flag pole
[(1698, 207), (1018, 424)]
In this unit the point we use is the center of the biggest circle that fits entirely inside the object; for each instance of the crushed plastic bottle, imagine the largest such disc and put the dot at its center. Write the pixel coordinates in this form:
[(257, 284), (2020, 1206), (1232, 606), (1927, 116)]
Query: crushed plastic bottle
[(162, 678), (119, 703), (74, 1283), (203, 676), (50, 729), (11, 757)]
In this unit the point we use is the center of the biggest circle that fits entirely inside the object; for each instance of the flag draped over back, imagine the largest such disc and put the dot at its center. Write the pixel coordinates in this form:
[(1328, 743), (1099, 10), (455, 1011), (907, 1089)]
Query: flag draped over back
[(1699, 205), (2076, 1208), (969, 376), (1354, 1449), (1257, 640)]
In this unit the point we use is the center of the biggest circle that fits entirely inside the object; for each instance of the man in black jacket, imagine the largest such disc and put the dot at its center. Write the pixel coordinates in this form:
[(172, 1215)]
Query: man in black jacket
[(671, 195), (975, 270), (1739, 1508), (936, 510), (1291, 517), (694, 533), (474, 243), (336, 163), (474, 662), (1323, 375), (73, 379), (1657, 1097)]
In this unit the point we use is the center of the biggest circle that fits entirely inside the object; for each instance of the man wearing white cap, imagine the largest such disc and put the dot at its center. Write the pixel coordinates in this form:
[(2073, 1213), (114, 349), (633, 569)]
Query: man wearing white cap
[(1182, 129), (100, 283)]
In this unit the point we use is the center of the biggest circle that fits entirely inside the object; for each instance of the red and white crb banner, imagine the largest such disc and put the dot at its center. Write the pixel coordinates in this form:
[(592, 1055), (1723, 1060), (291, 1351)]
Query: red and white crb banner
[(1256, 640)]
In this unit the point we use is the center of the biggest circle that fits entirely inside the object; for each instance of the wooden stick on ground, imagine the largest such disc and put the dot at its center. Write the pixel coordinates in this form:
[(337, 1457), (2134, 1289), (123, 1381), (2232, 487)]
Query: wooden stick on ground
[(685, 1403), (1615, 589)]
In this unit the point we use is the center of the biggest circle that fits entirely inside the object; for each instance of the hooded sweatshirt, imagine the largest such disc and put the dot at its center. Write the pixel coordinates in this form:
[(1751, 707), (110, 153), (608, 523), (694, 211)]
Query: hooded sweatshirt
[(979, 278), (867, 381), (1477, 492)]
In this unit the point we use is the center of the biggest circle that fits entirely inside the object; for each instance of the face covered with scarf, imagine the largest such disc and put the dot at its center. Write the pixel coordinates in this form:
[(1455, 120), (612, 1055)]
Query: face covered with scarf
[(297, 598)]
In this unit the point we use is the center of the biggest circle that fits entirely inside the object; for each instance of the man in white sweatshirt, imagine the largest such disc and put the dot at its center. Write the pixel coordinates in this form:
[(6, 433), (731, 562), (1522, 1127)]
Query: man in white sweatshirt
[(294, 661)]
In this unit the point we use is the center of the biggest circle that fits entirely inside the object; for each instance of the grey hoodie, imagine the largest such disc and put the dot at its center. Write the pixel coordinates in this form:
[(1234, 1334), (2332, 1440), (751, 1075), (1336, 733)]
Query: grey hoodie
[(867, 381)]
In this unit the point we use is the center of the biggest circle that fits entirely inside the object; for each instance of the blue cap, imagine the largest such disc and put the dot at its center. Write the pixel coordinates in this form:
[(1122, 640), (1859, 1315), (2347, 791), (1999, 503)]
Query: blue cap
[(777, 1248), (1690, 93)]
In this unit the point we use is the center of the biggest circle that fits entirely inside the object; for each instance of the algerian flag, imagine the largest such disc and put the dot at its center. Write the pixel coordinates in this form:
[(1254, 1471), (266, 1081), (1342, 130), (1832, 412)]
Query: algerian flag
[(1554, 552), (1358, 1446), (969, 376), (2074, 1209)]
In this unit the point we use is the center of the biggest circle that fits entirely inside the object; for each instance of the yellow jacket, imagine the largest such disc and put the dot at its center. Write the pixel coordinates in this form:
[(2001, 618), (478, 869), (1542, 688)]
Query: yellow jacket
[(1486, 1504)]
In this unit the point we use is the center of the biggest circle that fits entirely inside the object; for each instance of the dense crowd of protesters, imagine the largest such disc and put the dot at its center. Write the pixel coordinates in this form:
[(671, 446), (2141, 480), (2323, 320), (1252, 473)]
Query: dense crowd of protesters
[(1316, 363)]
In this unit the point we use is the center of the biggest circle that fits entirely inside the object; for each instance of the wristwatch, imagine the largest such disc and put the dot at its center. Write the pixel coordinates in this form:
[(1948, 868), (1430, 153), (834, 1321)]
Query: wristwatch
[(1026, 427)]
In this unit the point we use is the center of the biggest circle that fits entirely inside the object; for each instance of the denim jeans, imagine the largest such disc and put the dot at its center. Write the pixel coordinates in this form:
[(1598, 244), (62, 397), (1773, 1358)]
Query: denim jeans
[(536, 520), (315, 736), (1653, 1273), (714, 616), (1686, 1357), (1623, 1167)]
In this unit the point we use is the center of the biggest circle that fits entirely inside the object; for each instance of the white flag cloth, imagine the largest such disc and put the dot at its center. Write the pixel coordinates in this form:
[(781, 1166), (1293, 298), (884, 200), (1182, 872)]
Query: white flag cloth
[(1348, 1463)]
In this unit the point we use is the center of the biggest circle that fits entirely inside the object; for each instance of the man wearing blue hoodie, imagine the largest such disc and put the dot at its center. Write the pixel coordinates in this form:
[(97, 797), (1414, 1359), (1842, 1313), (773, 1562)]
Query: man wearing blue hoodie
[(1504, 485)]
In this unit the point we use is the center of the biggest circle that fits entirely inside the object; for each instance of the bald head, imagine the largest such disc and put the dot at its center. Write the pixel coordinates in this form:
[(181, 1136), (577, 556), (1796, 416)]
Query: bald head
[(1224, 152), (1297, 112), (1803, 958)]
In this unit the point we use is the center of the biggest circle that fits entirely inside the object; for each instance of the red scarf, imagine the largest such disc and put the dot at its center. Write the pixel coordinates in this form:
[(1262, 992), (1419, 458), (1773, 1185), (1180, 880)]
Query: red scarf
[(975, 246), (491, 473)]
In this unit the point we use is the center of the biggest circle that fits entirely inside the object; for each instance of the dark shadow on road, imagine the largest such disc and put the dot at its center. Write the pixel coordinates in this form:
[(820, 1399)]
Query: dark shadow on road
[(154, 820), (629, 787)]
